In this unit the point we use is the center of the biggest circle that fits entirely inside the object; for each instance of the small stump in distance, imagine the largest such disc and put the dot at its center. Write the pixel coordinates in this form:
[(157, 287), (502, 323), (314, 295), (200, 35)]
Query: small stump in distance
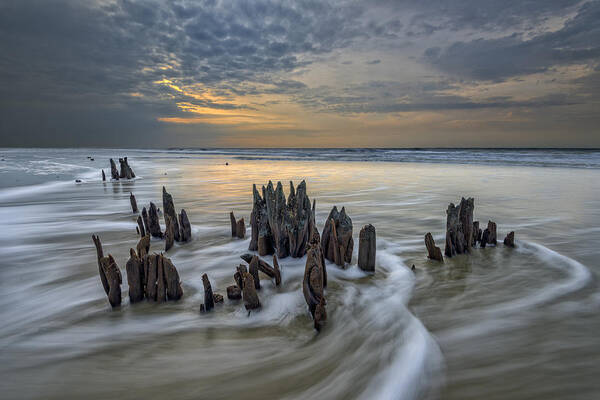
[(509, 240)]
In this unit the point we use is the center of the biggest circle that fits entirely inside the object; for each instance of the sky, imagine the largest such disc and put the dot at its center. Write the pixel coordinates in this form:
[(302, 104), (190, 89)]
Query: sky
[(402, 73)]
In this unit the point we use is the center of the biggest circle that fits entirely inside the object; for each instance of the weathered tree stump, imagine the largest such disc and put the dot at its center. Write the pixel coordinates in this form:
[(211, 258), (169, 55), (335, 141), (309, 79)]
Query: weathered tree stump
[(184, 225), (234, 292), (253, 269), (251, 300), (146, 220), (209, 302), (336, 240), (135, 277), (262, 237), (298, 219), (433, 252), (113, 278), (367, 248), (314, 282), (140, 226), (134, 206), (240, 229), (489, 235), (171, 277), (100, 255), (279, 225), (169, 210), (143, 246), (152, 277), (169, 232), (315, 246), (126, 171), (114, 172), (238, 276), (161, 285), (509, 240), (459, 227), (233, 224), (154, 225)]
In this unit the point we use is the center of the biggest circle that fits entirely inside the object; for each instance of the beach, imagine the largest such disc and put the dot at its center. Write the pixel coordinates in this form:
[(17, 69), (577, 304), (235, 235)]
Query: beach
[(498, 323)]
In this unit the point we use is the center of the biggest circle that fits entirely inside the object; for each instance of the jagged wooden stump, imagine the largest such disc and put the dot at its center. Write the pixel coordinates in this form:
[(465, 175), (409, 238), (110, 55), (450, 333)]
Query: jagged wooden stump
[(134, 207), (509, 240), (169, 211), (184, 225), (433, 252), (367, 248)]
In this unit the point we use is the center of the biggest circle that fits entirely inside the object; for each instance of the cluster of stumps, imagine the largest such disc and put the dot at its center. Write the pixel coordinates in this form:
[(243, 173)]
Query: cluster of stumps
[(463, 234), (149, 276), (177, 226), (286, 227), (280, 227), (125, 173)]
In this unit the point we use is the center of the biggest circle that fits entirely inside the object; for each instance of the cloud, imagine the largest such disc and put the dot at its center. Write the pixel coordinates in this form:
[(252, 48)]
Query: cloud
[(496, 59), (154, 73)]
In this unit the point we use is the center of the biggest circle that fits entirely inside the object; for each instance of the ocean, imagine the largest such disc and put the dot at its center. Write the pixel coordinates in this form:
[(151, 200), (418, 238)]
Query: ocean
[(498, 323)]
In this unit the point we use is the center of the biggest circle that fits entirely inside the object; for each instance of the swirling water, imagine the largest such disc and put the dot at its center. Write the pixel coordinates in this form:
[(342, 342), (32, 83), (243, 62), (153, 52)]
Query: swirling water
[(500, 323)]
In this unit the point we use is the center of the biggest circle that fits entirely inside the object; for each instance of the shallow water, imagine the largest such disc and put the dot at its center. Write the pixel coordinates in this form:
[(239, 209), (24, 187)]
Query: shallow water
[(501, 323)]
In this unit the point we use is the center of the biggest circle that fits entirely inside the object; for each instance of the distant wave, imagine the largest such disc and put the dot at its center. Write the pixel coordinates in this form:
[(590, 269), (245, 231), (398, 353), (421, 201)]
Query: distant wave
[(569, 158)]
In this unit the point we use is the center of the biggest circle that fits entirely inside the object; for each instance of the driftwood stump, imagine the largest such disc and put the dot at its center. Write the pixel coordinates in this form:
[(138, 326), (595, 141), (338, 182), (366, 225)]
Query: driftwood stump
[(135, 277), (238, 276), (253, 269), (509, 240), (134, 206), (251, 300), (489, 235), (126, 171), (367, 248), (433, 252), (336, 240), (315, 280), (114, 172), (171, 277), (278, 225), (184, 225), (143, 246), (238, 229), (459, 227), (209, 302), (169, 210), (152, 277), (169, 232), (154, 225)]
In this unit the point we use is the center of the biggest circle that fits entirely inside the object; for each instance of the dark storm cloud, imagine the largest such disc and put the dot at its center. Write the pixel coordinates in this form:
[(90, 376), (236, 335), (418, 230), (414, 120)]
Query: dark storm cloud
[(430, 16), (391, 97), (495, 59)]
